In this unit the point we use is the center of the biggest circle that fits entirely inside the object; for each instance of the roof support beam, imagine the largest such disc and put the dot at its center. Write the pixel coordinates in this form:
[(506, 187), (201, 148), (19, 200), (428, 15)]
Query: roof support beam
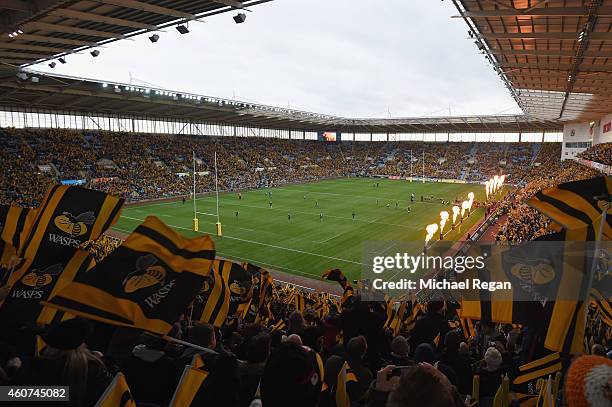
[(11, 61), (560, 67), (11, 54), (13, 45), (551, 53), (544, 36), (79, 15), (17, 5), (138, 5), (604, 11), (231, 3), (71, 30), (53, 40)]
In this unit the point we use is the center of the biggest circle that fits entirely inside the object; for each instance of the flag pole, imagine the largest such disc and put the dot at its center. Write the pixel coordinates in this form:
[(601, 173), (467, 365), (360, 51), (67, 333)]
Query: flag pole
[(411, 165), (196, 222), (219, 232), (423, 164)]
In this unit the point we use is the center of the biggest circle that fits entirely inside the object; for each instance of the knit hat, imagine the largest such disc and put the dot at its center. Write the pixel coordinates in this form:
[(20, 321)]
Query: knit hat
[(586, 381), (291, 377), (493, 359), (399, 346), (68, 335)]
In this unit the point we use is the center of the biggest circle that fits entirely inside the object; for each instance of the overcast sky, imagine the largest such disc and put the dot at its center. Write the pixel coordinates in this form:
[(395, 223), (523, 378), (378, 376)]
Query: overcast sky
[(353, 58)]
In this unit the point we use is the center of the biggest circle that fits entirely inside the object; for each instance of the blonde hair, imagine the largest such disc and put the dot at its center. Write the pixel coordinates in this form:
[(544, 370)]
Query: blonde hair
[(76, 370)]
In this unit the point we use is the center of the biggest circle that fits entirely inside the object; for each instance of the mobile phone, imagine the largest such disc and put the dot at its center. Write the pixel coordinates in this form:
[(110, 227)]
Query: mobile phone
[(397, 370)]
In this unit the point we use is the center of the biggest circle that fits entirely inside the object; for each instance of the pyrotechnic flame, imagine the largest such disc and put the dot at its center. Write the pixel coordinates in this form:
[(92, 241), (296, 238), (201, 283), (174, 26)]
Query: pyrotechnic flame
[(443, 219), (487, 188), (471, 196), (464, 205), (455, 213), (431, 230)]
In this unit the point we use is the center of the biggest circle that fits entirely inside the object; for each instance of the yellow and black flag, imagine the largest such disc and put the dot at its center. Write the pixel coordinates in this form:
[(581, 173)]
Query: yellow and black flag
[(413, 314), (529, 373), (191, 386), (36, 280), (239, 282), (212, 302), (346, 378), (603, 306), (578, 204), (548, 284), (15, 225), (117, 394), (68, 217), (146, 283), (262, 292), (336, 275)]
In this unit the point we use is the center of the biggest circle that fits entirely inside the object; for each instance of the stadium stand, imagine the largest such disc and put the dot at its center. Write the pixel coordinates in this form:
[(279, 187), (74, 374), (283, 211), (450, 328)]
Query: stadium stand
[(138, 166), (600, 153)]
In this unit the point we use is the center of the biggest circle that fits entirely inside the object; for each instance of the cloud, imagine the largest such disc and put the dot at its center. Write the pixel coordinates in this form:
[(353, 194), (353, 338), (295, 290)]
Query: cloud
[(357, 58)]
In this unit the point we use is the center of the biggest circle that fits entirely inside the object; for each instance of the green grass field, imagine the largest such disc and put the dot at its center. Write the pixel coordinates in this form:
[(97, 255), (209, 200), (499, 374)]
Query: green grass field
[(305, 245)]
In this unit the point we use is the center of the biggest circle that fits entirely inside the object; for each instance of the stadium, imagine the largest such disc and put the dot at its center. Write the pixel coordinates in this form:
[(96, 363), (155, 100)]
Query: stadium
[(161, 245)]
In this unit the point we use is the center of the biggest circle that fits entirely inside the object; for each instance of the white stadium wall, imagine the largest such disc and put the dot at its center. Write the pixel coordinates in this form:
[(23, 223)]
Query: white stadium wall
[(577, 137), (605, 130)]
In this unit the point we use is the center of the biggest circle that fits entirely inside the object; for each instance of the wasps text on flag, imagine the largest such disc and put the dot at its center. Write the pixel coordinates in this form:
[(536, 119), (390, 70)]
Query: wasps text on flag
[(117, 394), (574, 205), (212, 302), (36, 280), (146, 283), (68, 217)]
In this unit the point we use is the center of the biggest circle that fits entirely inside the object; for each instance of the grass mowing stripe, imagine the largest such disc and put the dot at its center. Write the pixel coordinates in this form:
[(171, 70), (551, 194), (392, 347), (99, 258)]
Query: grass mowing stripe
[(265, 244)]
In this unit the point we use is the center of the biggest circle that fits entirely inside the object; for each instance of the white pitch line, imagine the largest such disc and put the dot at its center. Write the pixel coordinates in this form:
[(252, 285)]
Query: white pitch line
[(333, 237), (268, 245)]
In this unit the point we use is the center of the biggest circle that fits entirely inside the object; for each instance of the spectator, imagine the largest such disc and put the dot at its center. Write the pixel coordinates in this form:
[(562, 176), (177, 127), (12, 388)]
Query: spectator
[(66, 361), (290, 378)]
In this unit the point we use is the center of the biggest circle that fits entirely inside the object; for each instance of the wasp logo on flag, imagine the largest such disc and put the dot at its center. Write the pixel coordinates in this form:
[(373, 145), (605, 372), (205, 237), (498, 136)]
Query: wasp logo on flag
[(605, 205), (238, 289), (147, 274), (39, 278), (540, 273), (74, 225)]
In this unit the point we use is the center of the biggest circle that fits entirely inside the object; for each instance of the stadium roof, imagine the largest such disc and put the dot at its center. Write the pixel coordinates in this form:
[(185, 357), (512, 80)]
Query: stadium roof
[(35, 31), (555, 56), (27, 90)]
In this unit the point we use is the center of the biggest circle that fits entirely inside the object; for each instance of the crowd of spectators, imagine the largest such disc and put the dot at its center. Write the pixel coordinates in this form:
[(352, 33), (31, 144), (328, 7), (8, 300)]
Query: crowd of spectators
[(523, 223), (296, 363), (148, 166), (600, 153)]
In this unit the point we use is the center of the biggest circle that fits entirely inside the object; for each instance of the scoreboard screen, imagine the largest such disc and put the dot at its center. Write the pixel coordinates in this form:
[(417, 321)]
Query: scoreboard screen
[(329, 136)]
